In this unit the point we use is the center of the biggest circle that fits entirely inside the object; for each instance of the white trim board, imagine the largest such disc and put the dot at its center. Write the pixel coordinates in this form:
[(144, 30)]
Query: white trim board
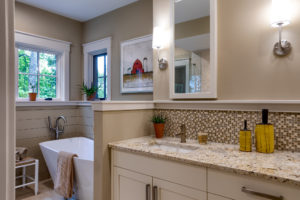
[(292, 106), (232, 105), (51, 103), (95, 48), (122, 105)]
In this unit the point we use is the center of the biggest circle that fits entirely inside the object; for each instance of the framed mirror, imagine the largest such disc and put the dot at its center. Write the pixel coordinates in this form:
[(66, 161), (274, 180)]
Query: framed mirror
[(194, 65)]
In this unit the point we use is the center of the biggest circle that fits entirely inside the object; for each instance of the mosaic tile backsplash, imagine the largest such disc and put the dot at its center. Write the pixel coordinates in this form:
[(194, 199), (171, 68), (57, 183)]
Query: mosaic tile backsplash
[(224, 126)]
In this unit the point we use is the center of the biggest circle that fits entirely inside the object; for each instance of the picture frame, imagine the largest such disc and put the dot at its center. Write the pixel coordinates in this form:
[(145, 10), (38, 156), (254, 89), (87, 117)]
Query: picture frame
[(137, 65)]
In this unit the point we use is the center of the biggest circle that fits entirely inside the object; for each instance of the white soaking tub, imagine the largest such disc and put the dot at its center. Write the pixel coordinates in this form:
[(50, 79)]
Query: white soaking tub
[(84, 163)]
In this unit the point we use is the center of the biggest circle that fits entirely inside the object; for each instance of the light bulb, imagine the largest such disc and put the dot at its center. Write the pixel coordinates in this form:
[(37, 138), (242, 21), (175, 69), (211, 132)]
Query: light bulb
[(280, 13)]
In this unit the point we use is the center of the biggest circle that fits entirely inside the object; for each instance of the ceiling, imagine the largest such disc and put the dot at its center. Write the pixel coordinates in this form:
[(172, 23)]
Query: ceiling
[(194, 43), (81, 10), (186, 10)]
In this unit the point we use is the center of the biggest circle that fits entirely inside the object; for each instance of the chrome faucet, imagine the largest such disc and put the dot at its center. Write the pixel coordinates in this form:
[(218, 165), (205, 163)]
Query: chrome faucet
[(182, 133), (56, 129)]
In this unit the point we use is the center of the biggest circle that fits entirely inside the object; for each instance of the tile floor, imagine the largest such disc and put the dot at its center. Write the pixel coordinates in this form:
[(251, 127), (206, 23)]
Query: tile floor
[(46, 192)]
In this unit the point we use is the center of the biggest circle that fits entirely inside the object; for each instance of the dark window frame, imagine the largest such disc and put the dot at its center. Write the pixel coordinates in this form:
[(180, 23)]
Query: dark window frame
[(95, 74)]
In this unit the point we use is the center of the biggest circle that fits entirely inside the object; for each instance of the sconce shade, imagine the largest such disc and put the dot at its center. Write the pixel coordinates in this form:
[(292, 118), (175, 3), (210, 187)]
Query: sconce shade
[(280, 15), (157, 38)]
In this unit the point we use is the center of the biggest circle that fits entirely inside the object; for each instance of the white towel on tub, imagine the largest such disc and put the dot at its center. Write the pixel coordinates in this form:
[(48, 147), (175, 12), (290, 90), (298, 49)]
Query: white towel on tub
[(65, 174)]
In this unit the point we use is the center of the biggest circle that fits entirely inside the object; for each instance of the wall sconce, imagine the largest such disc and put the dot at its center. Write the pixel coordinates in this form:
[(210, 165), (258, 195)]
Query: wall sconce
[(158, 43), (281, 17)]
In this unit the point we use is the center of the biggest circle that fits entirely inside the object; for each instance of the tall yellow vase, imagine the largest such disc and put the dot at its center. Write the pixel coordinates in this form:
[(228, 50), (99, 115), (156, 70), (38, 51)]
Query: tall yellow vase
[(264, 135)]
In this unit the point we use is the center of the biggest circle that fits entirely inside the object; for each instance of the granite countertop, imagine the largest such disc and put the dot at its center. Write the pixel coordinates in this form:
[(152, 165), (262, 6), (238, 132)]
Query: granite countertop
[(281, 166)]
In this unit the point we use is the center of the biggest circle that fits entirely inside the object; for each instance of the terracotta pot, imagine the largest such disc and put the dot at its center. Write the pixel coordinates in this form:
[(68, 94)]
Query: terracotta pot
[(32, 96), (159, 130), (91, 97)]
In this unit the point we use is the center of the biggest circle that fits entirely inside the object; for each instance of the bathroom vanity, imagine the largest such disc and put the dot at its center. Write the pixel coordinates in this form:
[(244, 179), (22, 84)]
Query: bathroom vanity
[(151, 169)]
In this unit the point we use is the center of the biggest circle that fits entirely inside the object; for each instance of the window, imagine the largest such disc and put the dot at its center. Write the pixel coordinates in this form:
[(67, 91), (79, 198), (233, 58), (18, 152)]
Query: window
[(97, 60), (100, 75), (37, 72), (42, 66)]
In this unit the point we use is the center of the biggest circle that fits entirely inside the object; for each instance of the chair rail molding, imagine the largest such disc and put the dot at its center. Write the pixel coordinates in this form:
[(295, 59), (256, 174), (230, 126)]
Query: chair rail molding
[(232, 105), (122, 105)]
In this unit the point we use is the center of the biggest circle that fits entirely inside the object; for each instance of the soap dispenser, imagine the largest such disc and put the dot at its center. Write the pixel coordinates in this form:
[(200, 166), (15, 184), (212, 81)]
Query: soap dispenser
[(264, 135), (245, 139)]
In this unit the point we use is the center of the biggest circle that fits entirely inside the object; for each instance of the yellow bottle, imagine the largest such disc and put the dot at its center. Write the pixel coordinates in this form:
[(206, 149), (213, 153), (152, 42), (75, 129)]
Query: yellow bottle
[(245, 139), (264, 135)]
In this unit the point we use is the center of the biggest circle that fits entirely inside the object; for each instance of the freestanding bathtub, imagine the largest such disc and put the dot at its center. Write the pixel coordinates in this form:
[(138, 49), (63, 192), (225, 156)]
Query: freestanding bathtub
[(84, 163)]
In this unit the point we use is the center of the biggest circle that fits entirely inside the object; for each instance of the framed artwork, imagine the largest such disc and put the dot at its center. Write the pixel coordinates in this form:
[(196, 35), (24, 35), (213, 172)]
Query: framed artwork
[(136, 65)]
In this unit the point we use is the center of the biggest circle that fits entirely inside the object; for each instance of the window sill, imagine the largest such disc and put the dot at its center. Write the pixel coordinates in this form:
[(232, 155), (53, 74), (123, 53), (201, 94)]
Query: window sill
[(51, 103)]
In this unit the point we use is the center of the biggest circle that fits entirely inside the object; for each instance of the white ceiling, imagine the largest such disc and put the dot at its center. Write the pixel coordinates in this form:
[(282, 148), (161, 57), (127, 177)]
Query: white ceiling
[(186, 10), (81, 10)]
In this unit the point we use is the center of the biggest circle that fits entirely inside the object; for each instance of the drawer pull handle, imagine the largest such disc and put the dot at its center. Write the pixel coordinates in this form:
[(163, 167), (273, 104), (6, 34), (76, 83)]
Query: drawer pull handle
[(155, 193), (148, 194), (267, 196)]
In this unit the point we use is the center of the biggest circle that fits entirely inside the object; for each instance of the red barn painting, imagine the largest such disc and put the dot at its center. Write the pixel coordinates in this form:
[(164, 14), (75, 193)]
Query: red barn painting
[(137, 67)]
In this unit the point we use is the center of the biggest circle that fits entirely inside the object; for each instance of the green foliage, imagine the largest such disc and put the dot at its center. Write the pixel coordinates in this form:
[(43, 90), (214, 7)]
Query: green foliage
[(46, 75), (89, 91), (32, 86), (158, 119), (101, 88)]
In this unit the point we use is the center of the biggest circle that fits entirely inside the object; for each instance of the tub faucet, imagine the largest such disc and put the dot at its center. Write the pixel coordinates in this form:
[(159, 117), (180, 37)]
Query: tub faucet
[(56, 129), (182, 133)]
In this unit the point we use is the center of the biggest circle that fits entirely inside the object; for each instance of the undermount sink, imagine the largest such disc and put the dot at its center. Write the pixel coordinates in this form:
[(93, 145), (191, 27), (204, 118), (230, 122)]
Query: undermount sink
[(176, 148)]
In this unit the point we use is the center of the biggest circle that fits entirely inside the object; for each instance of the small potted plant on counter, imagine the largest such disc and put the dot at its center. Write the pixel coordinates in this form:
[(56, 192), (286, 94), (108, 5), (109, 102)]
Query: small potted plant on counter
[(32, 95), (89, 92), (159, 125)]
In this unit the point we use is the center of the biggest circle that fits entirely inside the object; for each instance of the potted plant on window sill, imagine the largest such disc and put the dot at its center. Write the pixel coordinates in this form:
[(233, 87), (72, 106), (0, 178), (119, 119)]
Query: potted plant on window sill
[(159, 125), (89, 92), (32, 95)]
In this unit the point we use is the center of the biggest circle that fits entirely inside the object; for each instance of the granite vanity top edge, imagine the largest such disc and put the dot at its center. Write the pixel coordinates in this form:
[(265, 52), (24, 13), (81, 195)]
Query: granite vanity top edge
[(274, 178)]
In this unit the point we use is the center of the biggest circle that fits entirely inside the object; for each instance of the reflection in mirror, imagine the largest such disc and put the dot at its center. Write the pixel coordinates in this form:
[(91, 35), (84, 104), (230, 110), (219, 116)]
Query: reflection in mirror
[(192, 46)]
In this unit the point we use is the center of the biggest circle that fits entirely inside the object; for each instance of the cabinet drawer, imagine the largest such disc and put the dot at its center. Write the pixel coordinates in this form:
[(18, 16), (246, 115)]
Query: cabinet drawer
[(187, 175), (171, 191), (230, 185)]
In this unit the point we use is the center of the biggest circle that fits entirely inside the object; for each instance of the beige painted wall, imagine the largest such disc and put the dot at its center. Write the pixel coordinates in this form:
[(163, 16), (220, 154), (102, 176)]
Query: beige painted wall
[(111, 126), (32, 128), (134, 20), (40, 22), (161, 17), (247, 68), (192, 28)]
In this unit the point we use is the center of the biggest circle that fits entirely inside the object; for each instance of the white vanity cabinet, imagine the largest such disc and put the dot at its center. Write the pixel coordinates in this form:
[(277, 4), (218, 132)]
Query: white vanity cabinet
[(239, 187), (137, 177), (131, 185), (165, 190)]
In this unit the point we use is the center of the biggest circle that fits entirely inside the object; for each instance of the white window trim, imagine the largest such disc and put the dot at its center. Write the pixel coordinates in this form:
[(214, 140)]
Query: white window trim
[(62, 47), (94, 48)]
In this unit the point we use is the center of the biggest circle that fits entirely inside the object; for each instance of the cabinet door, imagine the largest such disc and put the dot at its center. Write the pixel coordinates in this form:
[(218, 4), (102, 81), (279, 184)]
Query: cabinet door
[(216, 197), (129, 185), (164, 190)]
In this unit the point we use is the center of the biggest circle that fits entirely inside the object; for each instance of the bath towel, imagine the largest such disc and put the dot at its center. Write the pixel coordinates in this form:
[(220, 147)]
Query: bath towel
[(20, 153), (65, 174)]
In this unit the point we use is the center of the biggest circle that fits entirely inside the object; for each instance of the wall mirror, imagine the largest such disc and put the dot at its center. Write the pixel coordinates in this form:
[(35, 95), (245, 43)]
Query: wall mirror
[(194, 69)]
